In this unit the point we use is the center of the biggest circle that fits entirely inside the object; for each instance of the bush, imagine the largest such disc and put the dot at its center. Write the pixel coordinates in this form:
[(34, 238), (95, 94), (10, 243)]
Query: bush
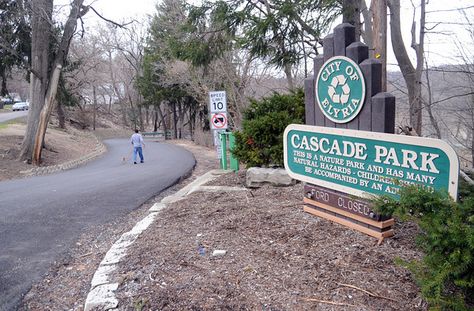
[(260, 143), (446, 272)]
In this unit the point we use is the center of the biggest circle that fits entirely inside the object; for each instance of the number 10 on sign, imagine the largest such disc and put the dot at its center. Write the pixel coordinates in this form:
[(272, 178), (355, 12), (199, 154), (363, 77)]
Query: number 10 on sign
[(218, 101)]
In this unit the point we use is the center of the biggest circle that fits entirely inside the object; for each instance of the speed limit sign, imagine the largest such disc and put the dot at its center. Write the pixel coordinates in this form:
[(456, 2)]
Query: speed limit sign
[(218, 101)]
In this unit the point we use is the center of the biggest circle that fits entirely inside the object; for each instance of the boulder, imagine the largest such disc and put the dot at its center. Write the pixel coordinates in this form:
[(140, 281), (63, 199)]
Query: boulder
[(258, 176)]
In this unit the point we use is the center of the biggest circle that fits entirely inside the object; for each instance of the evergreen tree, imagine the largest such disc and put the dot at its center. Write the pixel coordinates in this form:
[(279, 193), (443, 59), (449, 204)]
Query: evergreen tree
[(15, 37)]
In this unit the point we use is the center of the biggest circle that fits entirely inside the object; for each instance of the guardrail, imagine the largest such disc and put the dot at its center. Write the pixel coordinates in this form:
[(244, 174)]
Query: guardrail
[(157, 134)]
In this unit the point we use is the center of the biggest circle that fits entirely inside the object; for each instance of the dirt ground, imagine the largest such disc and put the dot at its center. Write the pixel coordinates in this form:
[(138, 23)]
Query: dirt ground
[(278, 257), (61, 146)]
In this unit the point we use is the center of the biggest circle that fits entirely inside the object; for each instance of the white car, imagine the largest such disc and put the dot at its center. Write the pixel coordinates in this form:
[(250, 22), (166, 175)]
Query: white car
[(20, 106)]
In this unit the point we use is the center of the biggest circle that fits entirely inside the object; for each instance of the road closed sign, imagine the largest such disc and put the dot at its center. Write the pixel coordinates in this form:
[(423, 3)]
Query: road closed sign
[(219, 121)]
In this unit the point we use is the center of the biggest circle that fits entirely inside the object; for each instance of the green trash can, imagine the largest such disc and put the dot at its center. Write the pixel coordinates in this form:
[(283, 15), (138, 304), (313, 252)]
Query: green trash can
[(228, 140)]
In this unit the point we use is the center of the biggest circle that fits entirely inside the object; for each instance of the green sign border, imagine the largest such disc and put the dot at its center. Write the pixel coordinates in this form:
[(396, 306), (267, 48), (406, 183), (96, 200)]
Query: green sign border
[(374, 136), (355, 113)]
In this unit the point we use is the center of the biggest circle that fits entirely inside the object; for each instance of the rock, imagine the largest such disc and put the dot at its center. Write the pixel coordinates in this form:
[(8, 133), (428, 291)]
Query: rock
[(218, 252), (257, 177), (102, 298)]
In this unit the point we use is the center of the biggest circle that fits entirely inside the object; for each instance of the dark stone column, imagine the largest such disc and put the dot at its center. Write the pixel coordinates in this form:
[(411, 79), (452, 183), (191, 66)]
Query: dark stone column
[(372, 70), (328, 44), (317, 64), (383, 113), (309, 102), (358, 52), (319, 117), (328, 47), (344, 34)]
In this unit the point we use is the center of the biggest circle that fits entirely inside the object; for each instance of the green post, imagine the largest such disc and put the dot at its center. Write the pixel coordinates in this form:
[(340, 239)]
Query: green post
[(224, 151), (234, 163)]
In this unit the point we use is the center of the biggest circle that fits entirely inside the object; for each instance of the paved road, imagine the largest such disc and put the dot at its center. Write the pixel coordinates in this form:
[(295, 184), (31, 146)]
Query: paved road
[(12, 115), (41, 217)]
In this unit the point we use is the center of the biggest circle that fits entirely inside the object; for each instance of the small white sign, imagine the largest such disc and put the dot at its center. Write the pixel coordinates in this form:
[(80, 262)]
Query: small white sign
[(217, 142), (219, 121), (218, 101)]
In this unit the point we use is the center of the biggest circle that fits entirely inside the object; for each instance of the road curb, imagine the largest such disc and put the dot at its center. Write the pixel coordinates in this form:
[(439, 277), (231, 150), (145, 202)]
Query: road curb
[(102, 292), (44, 170)]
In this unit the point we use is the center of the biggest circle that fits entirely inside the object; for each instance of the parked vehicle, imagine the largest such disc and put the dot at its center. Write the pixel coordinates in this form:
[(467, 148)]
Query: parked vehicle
[(21, 106), (6, 100)]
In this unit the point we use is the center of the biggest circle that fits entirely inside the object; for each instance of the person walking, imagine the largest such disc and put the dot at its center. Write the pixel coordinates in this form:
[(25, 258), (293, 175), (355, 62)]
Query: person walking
[(137, 142)]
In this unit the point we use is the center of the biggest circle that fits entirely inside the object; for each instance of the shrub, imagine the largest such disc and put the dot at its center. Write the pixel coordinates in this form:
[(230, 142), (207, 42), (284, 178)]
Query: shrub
[(446, 272), (260, 143)]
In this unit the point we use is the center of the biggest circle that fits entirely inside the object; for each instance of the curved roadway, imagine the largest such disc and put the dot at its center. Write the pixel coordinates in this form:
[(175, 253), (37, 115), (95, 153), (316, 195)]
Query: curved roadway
[(41, 217), (6, 116)]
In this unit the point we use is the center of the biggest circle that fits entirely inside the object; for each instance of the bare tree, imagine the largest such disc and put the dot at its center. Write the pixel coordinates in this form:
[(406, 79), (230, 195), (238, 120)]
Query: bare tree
[(44, 82), (411, 74), (428, 103)]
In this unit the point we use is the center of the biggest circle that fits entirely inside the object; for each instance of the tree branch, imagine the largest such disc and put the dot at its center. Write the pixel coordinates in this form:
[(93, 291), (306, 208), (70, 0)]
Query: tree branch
[(451, 10), (451, 97), (110, 21)]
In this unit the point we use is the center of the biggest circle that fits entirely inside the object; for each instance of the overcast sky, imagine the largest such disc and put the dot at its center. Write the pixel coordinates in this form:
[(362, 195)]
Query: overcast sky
[(440, 43)]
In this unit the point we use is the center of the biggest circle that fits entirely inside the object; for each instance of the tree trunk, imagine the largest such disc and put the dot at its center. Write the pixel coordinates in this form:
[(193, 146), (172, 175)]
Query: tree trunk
[(155, 121), (44, 115), (117, 92), (147, 115), (45, 86), (379, 11), (4, 90), (61, 115), (351, 15), (192, 121), (140, 117), (367, 34), (289, 76), (429, 104), (175, 121), (169, 115), (411, 76), (420, 56), (41, 21), (94, 107), (472, 144), (163, 118), (181, 117)]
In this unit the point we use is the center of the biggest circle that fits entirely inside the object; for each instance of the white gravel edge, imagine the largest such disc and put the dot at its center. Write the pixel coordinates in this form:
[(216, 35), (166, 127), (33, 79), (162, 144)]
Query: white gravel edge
[(101, 294)]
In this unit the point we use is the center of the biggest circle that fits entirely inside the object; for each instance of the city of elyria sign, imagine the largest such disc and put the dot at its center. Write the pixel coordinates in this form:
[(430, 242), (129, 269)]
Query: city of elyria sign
[(340, 89)]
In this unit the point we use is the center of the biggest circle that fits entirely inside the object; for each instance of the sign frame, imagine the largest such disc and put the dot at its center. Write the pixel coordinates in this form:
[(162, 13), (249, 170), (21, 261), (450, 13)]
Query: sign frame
[(217, 94), (387, 138), (226, 122)]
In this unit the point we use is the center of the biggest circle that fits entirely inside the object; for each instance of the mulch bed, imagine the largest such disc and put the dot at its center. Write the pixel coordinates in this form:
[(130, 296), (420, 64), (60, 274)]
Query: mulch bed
[(278, 258)]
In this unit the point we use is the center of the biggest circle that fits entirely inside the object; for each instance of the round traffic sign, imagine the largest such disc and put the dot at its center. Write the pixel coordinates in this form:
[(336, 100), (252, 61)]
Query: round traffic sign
[(219, 121)]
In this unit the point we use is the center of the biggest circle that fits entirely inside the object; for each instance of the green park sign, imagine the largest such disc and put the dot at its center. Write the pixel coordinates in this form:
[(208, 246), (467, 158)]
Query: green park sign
[(368, 163), (340, 89)]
